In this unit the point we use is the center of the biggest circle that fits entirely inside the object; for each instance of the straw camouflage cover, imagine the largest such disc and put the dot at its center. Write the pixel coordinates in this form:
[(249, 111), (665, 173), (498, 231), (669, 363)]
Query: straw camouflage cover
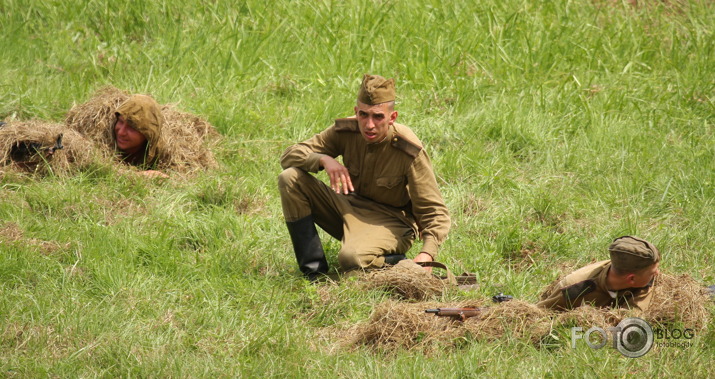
[(144, 114)]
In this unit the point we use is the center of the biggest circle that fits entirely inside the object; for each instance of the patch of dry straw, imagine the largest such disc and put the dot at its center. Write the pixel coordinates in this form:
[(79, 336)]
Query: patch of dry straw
[(77, 152), (187, 138), (405, 280), (11, 233), (587, 316), (679, 299), (405, 325), (514, 319), (95, 118)]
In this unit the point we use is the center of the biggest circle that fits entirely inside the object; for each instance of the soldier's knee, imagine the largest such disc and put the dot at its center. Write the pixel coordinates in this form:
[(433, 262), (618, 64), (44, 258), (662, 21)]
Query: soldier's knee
[(288, 177), (350, 259)]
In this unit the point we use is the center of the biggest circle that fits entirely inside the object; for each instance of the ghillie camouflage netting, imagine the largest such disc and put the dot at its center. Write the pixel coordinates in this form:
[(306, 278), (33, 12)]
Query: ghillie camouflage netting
[(86, 137), (42, 147), (187, 138)]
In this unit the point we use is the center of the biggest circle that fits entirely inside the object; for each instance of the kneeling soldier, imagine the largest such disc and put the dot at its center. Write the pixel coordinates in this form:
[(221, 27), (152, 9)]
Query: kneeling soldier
[(380, 198)]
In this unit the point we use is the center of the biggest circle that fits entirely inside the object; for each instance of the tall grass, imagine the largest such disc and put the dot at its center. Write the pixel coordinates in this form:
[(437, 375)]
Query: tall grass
[(553, 127)]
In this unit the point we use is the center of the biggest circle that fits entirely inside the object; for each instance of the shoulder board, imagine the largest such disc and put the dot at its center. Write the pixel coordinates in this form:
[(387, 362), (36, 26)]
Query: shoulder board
[(571, 293), (410, 148), (346, 125)]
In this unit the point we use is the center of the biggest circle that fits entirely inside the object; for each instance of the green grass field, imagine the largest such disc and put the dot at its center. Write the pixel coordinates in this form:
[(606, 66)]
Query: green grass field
[(553, 127)]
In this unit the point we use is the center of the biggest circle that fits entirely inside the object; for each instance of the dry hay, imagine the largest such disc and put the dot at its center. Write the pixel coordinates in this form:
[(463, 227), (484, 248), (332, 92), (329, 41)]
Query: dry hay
[(187, 138), (679, 299), (516, 319), (24, 146), (405, 325), (12, 234), (94, 119), (405, 280), (588, 316)]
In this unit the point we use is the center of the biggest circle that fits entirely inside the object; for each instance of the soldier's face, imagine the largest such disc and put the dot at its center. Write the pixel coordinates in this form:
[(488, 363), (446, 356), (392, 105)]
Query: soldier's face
[(129, 140), (374, 120), (644, 277)]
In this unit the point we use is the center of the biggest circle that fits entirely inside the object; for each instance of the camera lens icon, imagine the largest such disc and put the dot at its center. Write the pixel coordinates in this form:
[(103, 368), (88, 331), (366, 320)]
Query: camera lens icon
[(635, 338)]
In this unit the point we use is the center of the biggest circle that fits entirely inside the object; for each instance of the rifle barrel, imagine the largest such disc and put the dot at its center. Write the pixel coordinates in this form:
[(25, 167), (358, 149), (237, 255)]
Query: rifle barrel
[(460, 313)]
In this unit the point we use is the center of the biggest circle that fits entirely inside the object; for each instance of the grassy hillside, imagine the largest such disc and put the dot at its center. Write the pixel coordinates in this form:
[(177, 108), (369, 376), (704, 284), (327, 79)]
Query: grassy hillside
[(554, 127)]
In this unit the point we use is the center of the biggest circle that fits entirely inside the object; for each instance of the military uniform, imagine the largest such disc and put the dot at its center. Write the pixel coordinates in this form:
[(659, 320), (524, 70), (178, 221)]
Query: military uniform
[(396, 197), (587, 286)]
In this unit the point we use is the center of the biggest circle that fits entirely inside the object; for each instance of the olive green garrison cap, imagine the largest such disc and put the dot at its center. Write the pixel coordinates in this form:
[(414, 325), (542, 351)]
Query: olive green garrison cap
[(376, 90), (630, 254)]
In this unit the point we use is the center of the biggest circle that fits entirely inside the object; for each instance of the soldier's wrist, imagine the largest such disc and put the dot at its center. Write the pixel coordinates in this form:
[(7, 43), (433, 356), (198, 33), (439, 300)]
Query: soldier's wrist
[(426, 254), (321, 162)]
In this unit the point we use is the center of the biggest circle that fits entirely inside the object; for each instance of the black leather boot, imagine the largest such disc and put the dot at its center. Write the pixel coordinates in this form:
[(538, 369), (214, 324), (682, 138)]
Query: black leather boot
[(393, 259), (307, 247)]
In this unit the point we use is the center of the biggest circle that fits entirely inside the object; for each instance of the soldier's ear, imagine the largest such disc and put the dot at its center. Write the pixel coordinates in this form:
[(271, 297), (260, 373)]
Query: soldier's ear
[(393, 116)]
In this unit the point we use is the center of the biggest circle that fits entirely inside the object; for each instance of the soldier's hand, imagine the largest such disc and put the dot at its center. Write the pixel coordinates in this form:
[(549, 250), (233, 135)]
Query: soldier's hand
[(424, 257), (339, 175)]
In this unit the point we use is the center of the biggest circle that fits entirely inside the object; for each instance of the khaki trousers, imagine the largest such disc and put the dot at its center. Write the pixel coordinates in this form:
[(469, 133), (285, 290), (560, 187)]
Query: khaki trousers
[(367, 230)]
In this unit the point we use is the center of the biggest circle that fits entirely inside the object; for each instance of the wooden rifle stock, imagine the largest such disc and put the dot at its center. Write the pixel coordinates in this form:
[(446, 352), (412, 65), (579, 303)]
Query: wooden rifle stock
[(457, 313)]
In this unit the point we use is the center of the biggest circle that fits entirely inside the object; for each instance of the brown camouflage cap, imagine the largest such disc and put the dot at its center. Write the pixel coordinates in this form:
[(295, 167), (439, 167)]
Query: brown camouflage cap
[(629, 254), (376, 90)]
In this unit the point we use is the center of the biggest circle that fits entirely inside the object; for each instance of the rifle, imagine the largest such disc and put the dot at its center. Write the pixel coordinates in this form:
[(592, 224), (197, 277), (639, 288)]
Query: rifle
[(23, 151), (462, 314)]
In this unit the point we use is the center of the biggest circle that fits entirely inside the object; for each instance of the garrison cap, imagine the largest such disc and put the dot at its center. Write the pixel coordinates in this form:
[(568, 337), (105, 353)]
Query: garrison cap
[(376, 90), (629, 254)]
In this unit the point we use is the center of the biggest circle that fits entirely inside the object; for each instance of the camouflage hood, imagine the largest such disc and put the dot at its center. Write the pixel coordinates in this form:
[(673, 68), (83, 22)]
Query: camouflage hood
[(144, 114)]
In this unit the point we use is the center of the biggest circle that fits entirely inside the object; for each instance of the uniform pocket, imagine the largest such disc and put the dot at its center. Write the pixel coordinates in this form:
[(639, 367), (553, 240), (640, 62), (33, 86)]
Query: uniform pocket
[(354, 173), (390, 182)]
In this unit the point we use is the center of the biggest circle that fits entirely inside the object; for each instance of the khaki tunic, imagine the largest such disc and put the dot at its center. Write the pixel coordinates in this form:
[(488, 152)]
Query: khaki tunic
[(587, 285), (393, 178)]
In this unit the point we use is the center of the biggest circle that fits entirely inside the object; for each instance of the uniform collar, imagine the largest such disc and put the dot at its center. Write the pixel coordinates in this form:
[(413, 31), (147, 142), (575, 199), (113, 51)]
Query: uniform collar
[(388, 137), (602, 279)]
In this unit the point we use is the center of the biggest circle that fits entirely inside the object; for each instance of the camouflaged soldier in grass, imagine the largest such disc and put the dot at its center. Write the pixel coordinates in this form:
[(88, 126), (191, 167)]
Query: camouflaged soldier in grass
[(137, 132), (624, 281), (381, 197)]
